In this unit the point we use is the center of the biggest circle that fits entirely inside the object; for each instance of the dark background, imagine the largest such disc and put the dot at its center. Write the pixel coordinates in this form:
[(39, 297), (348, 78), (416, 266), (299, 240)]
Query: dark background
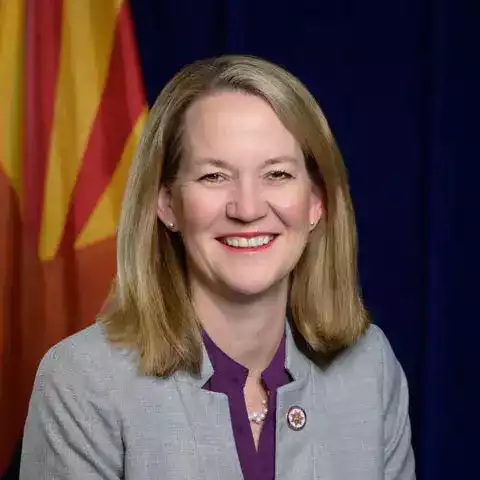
[(398, 81)]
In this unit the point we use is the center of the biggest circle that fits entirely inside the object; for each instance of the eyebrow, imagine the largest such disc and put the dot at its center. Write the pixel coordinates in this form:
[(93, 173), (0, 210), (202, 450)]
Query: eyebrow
[(281, 159), (216, 162)]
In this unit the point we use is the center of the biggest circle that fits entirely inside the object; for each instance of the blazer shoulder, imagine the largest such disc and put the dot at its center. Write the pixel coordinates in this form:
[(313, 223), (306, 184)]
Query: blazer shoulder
[(399, 458), (373, 343), (75, 420), (376, 344), (372, 353), (374, 339), (393, 376), (87, 356)]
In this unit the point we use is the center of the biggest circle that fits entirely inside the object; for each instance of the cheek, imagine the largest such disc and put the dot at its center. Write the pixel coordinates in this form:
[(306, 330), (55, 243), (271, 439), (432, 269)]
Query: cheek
[(292, 207), (198, 209)]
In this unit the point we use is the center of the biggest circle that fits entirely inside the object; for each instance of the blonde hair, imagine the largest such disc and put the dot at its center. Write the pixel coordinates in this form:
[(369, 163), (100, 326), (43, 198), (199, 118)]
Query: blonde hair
[(149, 308)]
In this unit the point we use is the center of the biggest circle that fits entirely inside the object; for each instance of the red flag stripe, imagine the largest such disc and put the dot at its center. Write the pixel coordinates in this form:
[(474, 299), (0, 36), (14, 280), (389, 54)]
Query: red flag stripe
[(122, 102), (44, 27)]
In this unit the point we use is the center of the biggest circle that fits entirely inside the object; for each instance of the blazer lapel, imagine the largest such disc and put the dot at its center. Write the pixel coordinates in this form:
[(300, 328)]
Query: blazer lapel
[(208, 418), (295, 437)]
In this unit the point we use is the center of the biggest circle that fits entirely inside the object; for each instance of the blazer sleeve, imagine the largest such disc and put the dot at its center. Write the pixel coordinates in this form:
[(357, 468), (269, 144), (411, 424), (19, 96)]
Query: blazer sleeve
[(72, 431), (399, 458)]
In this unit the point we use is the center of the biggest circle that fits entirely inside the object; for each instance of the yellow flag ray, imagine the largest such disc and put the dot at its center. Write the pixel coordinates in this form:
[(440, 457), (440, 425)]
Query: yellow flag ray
[(87, 39), (103, 222), (12, 45)]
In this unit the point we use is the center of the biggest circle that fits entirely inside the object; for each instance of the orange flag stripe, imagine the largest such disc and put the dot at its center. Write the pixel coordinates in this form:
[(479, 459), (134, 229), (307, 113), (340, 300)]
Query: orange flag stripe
[(122, 102), (87, 42)]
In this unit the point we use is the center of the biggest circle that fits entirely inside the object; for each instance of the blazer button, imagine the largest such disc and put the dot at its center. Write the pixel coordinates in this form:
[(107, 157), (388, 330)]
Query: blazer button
[(296, 418)]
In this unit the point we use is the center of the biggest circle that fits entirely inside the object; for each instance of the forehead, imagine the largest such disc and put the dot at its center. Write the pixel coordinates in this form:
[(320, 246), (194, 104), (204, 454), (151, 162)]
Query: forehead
[(236, 125)]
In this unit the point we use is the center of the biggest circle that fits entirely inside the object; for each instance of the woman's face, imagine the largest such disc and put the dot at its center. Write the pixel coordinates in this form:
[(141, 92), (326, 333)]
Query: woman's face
[(242, 201)]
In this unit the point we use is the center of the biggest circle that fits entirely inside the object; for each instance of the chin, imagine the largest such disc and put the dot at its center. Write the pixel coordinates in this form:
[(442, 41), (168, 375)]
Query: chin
[(250, 288)]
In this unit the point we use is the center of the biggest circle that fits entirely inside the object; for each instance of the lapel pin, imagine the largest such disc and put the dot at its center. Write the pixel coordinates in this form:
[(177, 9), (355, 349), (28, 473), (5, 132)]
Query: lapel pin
[(296, 418)]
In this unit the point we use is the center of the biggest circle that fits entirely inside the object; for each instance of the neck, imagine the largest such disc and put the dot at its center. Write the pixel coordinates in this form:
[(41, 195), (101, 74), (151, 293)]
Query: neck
[(248, 331)]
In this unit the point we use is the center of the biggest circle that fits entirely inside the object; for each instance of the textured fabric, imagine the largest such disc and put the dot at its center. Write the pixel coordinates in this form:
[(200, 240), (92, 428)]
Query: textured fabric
[(229, 377), (92, 417)]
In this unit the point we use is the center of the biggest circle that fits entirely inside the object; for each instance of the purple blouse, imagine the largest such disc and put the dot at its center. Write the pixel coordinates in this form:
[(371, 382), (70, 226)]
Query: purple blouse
[(229, 378)]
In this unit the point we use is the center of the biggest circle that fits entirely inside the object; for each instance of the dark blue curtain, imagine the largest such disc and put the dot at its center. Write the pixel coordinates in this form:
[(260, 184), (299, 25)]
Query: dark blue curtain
[(398, 81)]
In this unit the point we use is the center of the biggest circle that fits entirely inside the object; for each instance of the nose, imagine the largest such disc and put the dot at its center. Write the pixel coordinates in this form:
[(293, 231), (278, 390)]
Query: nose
[(247, 203)]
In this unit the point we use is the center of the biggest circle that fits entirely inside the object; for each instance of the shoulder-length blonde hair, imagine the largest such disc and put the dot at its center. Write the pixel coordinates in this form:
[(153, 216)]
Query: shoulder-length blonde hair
[(149, 308)]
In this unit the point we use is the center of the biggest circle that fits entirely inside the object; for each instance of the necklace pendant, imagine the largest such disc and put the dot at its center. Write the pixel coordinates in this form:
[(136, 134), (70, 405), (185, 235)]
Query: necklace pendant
[(259, 417)]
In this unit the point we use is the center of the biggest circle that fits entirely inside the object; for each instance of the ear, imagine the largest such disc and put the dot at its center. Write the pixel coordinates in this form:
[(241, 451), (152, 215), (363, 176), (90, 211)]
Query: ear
[(316, 205), (165, 211)]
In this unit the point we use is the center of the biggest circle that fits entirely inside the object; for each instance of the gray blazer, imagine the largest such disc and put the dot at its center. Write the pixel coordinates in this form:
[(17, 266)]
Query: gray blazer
[(93, 417)]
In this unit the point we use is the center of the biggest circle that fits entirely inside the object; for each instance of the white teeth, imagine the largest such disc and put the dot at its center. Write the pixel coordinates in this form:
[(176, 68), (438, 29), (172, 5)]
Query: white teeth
[(242, 242)]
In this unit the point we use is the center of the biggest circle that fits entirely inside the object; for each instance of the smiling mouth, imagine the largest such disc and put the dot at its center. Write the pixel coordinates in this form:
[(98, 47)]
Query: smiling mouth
[(259, 242)]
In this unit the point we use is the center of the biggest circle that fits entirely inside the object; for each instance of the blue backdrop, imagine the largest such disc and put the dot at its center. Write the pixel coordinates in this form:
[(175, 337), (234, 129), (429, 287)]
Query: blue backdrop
[(398, 81)]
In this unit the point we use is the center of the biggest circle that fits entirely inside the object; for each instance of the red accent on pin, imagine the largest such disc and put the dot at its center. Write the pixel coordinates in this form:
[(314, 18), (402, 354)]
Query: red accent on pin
[(296, 418)]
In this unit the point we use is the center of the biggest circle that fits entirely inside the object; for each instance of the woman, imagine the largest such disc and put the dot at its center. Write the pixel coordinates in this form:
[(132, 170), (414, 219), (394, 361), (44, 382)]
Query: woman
[(235, 343)]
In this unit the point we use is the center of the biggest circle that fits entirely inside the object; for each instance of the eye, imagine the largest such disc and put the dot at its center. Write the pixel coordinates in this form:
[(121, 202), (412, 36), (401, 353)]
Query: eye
[(279, 175), (216, 177)]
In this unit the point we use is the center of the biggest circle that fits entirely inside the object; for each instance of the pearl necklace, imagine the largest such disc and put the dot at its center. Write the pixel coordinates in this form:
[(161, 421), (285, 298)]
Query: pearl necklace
[(259, 417)]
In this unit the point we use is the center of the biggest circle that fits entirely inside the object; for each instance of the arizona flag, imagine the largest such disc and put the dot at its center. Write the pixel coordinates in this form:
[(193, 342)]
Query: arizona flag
[(72, 108)]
